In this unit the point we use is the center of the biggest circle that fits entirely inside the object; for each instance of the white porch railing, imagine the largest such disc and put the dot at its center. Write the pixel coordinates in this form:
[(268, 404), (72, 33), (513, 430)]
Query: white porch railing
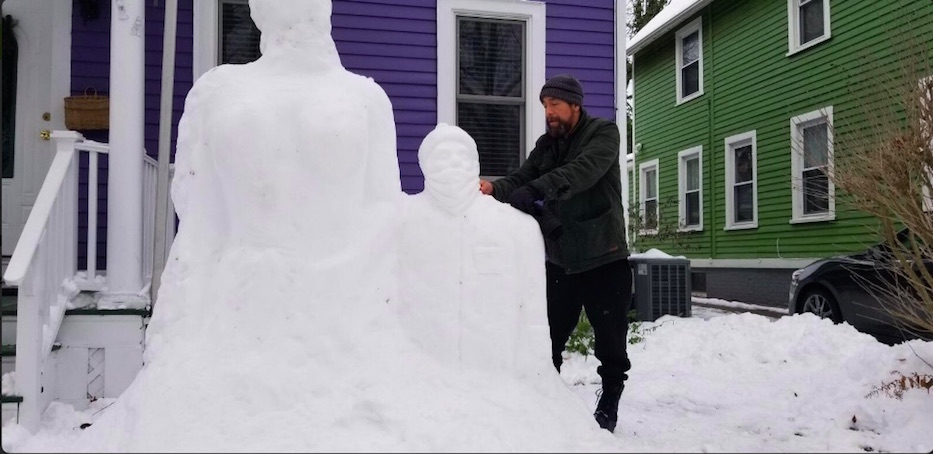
[(150, 174), (94, 150), (45, 259)]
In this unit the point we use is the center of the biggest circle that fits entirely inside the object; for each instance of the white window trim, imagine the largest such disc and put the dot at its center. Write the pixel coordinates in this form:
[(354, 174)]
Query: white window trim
[(793, 27), (204, 52), (533, 13), (796, 145), (695, 26), (731, 143), (682, 157), (642, 168)]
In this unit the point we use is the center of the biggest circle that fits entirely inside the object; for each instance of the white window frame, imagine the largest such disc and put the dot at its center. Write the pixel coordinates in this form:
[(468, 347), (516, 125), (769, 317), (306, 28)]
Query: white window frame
[(533, 13), (642, 169), (204, 52), (682, 158), (205, 36), (730, 144), (797, 124), (793, 26), (695, 26)]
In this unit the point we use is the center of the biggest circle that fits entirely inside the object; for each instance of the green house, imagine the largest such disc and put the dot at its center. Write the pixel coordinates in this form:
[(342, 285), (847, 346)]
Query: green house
[(740, 108)]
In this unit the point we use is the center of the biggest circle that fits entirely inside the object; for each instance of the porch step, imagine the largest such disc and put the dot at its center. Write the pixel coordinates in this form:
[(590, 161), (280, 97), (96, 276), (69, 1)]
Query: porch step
[(8, 301), (8, 320), (10, 408), (10, 350), (7, 359), (8, 336)]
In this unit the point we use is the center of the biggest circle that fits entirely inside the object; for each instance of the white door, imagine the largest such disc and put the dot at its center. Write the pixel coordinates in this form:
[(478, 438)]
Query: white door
[(43, 79)]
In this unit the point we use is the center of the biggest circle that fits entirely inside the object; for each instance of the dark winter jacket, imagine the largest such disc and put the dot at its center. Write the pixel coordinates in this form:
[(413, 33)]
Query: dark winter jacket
[(581, 184)]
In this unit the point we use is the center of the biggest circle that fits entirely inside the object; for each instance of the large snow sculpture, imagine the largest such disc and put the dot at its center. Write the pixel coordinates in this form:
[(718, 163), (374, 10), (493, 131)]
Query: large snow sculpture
[(279, 325), (286, 173)]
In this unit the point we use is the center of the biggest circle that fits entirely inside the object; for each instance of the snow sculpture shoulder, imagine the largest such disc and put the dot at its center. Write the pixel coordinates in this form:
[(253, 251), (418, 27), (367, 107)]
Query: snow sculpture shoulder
[(472, 269)]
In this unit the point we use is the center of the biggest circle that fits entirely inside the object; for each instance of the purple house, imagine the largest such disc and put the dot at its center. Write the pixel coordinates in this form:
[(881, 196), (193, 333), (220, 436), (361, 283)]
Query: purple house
[(478, 64)]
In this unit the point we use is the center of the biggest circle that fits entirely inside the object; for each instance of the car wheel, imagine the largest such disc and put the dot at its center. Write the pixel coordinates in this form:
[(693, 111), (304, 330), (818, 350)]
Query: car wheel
[(821, 303)]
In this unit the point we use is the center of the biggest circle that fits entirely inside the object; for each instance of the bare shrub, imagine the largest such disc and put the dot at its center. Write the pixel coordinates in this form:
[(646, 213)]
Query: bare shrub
[(884, 165)]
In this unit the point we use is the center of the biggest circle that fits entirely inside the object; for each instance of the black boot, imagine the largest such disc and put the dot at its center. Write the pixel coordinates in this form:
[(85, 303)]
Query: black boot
[(607, 409)]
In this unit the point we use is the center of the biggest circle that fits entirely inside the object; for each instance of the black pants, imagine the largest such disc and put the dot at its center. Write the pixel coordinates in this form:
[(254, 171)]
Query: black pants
[(606, 294)]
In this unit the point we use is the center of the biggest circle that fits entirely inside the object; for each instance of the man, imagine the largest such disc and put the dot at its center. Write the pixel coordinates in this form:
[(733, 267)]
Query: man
[(574, 170)]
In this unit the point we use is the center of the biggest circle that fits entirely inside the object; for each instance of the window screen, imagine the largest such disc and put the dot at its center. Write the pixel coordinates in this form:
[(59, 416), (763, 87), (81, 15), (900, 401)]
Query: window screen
[(651, 199), (811, 20), (815, 160), (743, 209), (690, 73), (239, 37), (692, 192), (490, 94)]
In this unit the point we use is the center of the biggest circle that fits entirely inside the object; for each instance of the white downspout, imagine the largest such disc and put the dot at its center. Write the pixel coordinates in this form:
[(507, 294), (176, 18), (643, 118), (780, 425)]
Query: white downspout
[(124, 183), (620, 96), (165, 136)]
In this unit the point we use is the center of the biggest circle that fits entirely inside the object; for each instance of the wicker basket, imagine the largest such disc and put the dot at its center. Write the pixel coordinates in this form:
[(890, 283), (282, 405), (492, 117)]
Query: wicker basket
[(87, 111)]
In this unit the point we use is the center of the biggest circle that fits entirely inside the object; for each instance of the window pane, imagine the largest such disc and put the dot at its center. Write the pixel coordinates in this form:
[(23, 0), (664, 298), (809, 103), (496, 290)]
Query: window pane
[(239, 38), (10, 56), (693, 174), (743, 164), (497, 130), (691, 48), (690, 78), (744, 211), (815, 149), (490, 55), (692, 210), (811, 20), (815, 192), (650, 184), (651, 214)]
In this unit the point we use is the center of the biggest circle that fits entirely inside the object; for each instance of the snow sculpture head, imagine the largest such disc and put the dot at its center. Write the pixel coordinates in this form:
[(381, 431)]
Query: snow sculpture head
[(450, 164), (293, 24)]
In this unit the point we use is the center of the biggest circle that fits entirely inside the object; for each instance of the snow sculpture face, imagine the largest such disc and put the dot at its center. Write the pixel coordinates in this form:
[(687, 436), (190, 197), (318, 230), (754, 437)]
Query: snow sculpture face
[(450, 164)]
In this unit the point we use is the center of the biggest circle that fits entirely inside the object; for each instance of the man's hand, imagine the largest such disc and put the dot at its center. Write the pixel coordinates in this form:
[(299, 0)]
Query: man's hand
[(524, 198), (485, 187)]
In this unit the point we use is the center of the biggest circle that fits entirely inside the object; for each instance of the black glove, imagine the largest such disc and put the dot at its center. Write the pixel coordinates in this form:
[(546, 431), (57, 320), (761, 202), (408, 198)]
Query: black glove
[(523, 198), (550, 225)]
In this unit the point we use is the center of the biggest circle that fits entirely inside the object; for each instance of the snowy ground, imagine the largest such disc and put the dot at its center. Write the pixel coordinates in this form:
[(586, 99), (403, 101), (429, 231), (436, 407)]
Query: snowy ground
[(717, 382)]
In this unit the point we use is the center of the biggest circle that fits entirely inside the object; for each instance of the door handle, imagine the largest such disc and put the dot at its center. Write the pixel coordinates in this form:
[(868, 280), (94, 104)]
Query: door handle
[(45, 134)]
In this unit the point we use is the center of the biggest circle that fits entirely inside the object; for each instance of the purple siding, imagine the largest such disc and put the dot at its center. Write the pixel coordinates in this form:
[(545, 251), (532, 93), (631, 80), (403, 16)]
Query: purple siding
[(90, 67), (581, 41), (394, 42)]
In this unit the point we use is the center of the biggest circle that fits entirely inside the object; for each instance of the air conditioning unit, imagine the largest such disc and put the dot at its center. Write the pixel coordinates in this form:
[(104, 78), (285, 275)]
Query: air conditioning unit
[(662, 287)]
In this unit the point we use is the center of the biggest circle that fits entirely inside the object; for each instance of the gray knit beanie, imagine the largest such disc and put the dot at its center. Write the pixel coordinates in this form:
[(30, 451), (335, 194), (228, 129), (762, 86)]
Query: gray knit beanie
[(565, 87)]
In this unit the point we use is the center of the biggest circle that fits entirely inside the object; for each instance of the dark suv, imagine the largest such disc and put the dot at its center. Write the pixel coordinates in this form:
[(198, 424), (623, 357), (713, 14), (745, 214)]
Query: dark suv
[(854, 289)]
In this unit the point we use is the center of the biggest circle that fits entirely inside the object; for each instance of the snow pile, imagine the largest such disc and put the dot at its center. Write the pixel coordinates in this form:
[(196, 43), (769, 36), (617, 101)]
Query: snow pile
[(280, 326), (655, 254)]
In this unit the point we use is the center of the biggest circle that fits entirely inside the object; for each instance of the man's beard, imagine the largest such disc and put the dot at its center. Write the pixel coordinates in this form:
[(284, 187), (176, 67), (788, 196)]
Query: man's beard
[(562, 128)]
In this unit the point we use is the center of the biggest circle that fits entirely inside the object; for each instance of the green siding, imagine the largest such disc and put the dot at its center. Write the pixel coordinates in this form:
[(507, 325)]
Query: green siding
[(750, 83)]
